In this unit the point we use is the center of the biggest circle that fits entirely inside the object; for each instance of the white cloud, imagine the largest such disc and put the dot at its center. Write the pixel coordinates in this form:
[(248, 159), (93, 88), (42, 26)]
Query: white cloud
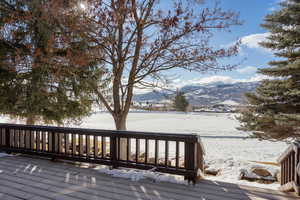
[(253, 40), (247, 70), (178, 83), (215, 79), (257, 77)]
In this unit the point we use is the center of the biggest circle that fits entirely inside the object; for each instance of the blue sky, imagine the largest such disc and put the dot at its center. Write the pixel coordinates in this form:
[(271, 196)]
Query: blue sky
[(252, 13)]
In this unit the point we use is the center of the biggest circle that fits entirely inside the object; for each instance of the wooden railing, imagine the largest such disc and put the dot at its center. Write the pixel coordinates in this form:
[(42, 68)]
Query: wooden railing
[(180, 154), (290, 169)]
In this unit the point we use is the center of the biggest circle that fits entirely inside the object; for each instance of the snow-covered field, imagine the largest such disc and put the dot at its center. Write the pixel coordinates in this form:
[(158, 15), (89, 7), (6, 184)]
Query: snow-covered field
[(226, 148)]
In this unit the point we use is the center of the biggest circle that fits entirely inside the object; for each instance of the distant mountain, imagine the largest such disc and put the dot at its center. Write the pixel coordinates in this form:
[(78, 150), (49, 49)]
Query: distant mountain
[(209, 94)]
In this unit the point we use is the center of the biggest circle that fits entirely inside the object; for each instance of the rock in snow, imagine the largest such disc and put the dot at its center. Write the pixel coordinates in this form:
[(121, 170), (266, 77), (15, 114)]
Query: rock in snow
[(261, 172), (211, 171)]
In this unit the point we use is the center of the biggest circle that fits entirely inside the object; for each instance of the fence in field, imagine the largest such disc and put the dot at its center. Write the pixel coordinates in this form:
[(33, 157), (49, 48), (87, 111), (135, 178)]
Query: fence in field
[(290, 169), (180, 154)]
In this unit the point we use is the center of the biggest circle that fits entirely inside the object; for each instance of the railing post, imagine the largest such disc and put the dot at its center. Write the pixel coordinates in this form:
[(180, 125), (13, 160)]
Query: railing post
[(113, 151), (193, 160), (53, 142), (200, 159), (7, 137), (190, 160), (296, 163)]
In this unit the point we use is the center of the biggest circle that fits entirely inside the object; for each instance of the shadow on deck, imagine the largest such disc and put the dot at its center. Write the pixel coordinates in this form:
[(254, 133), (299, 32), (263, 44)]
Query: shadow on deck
[(24, 177)]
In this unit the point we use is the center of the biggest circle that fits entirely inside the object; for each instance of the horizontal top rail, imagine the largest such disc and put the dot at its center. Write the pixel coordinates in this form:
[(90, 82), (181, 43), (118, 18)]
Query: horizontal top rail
[(101, 132)]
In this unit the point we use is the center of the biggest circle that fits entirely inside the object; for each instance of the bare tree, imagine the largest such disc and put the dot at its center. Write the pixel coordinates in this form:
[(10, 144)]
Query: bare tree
[(143, 39)]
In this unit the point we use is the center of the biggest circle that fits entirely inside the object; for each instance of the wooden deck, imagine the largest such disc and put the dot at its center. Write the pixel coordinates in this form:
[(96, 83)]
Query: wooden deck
[(24, 177)]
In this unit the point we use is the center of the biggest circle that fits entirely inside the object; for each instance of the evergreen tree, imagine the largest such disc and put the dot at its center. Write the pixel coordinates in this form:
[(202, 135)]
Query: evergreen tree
[(180, 102), (47, 66), (274, 111)]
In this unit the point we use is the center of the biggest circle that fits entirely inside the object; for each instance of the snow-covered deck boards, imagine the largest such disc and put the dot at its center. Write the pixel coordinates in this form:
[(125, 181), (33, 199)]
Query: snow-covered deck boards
[(38, 179)]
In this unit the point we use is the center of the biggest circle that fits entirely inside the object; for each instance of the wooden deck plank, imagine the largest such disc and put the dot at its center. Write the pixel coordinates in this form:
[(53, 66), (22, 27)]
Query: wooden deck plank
[(196, 195), (203, 186), (69, 181), (8, 197), (171, 185), (99, 191), (14, 192)]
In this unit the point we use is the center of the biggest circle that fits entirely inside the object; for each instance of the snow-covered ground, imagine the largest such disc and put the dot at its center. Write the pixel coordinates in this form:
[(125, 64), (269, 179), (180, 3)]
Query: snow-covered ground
[(226, 148)]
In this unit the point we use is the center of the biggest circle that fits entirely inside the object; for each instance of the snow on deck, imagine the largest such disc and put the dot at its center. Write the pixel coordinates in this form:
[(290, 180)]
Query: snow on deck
[(29, 178)]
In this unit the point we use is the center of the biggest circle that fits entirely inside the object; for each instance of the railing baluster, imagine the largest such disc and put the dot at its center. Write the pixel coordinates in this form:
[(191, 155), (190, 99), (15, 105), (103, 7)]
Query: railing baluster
[(286, 170), (146, 150), (4, 137), (67, 143), (103, 147), (137, 150), (118, 148), (128, 150), (15, 139), (31, 135), (60, 142), (1, 136), (95, 146), (156, 152), (44, 142), (296, 157), (19, 139), (7, 138), (38, 141), (80, 145), (293, 166), (87, 144), (53, 148), (15, 144), (24, 138), (74, 144), (166, 152), (177, 152), (289, 168), (282, 173)]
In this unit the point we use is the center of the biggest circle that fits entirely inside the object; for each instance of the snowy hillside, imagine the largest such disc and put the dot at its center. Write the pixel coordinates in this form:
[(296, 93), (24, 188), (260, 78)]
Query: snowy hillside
[(209, 94)]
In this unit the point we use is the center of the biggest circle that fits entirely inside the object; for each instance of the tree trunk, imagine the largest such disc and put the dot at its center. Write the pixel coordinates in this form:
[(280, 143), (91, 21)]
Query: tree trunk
[(120, 123)]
